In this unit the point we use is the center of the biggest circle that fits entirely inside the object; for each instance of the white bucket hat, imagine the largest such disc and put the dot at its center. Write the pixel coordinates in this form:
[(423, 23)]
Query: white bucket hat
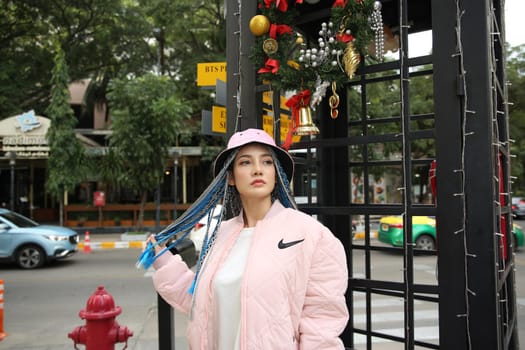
[(248, 136)]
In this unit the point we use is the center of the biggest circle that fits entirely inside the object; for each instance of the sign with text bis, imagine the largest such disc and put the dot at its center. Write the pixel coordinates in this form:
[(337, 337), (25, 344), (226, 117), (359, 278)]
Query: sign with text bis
[(209, 72)]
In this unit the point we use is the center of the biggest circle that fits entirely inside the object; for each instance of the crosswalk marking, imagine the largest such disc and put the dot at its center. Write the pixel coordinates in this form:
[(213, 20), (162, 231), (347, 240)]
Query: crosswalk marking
[(360, 318), (421, 333), (386, 321)]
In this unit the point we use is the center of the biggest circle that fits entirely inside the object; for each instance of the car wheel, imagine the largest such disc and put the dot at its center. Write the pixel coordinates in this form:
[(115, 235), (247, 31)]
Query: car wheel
[(30, 257), (425, 242)]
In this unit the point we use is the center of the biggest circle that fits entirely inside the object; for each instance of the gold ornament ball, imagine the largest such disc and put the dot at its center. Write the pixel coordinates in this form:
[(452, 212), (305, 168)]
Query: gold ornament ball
[(299, 40), (259, 25)]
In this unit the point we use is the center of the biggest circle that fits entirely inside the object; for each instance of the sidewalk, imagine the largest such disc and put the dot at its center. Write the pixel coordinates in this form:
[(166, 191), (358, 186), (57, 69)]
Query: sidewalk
[(117, 241), (111, 241)]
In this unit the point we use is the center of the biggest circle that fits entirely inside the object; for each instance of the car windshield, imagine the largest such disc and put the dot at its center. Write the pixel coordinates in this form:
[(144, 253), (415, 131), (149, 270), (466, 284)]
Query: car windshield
[(18, 220)]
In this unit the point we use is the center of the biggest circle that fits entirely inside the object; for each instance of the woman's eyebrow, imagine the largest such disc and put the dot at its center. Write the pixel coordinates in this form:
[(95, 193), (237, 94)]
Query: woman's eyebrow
[(244, 156), (249, 155)]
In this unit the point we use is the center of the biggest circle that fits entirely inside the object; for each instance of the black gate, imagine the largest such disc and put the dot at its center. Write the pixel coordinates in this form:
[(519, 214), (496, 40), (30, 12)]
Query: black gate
[(369, 170)]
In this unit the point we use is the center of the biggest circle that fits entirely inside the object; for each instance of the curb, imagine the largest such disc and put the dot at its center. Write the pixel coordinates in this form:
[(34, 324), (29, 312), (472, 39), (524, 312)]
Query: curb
[(112, 245), (361, 235), (140, 244)]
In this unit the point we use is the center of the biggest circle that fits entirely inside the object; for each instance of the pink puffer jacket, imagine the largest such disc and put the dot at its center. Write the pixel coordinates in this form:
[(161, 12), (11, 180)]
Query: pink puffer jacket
[(292, 290)]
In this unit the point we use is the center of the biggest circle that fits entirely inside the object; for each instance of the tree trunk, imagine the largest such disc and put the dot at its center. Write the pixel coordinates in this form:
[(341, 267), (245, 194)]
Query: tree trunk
[(61, 210), (140, 219)]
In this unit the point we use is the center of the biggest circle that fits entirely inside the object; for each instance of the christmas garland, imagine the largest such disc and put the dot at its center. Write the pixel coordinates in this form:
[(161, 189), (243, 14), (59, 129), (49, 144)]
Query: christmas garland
[(280, 54), (285, 61)]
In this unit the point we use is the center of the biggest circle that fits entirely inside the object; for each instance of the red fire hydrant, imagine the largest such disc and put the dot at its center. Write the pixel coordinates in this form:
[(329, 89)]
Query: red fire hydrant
[(101, 331)]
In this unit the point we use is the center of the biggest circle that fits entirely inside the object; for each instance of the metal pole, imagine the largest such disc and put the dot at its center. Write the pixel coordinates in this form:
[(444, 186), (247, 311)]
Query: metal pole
[(175, 181), (12, 162), (157, 208), (166, 324)]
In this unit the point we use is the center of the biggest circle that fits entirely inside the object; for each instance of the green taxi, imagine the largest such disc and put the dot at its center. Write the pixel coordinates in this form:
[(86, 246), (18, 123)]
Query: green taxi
[(390, 231)]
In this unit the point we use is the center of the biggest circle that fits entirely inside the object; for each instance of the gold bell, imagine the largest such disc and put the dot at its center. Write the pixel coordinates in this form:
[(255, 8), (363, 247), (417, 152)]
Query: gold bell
[(306, 126)]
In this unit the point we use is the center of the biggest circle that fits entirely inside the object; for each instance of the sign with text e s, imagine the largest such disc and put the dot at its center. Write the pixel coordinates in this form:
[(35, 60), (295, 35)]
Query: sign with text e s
[(218, 119)]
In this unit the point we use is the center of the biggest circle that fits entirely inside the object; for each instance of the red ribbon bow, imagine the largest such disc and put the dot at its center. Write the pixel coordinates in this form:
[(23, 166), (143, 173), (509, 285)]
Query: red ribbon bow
[(340, 3), (344, 38), (299, 100), (279, 29), (270, 66), (282, 5)]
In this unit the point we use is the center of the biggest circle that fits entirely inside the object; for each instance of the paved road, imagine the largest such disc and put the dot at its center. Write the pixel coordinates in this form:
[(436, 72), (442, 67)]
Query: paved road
[(41, 307)]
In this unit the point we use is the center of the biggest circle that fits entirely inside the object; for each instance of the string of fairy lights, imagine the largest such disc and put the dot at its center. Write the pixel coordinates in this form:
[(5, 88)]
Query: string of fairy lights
[(497, 143), (466, 115), (403, 78), (240, 32), (464, 134)]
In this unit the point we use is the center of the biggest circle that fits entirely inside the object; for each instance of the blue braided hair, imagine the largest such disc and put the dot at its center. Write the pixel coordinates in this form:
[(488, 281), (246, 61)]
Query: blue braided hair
[(282, 188), (182, 226), (216, 193)]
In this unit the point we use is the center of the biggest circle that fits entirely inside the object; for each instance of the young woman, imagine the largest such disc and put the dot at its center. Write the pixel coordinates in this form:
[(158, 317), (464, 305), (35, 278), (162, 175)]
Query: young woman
[(271, 277)]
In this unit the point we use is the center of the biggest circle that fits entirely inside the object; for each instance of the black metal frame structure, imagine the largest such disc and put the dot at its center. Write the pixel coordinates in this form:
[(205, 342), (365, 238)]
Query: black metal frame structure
[(466, 132)]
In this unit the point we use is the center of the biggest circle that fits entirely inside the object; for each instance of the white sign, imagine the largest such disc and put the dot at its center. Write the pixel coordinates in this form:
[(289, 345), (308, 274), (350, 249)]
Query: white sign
[(25, 134)]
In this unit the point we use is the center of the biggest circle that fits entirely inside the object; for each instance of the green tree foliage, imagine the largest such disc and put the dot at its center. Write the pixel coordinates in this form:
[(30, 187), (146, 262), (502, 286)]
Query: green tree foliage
[(105, 39), (147, 115), (65, 163), (187, 32), (100, 38), (383, 114), (516, 90)]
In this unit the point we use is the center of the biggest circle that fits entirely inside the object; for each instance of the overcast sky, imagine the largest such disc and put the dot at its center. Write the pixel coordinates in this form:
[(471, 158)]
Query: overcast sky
[(514, 12), (421, 43)]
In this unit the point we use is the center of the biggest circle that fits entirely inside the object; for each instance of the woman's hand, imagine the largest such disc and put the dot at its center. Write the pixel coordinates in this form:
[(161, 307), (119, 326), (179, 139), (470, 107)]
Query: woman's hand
[(151, 239)]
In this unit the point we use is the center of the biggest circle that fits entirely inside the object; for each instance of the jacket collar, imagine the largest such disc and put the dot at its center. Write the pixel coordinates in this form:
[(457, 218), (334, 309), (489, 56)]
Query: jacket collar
[(275, 209)]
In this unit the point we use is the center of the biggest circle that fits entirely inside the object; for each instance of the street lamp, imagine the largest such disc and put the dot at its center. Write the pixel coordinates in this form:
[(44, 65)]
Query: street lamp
[(12, 162)]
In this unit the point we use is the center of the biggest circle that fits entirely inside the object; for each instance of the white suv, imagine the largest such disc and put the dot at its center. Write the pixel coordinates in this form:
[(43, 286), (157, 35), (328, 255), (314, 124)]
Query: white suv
[(199, 231)]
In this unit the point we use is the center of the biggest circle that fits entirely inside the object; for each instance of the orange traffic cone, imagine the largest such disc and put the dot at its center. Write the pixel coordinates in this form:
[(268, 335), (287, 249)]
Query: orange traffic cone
[(2, 333), (87, 243)]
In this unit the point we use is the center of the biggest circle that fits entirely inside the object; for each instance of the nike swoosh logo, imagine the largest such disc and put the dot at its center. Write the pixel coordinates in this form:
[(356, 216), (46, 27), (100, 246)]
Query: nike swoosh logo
[(283, 245)]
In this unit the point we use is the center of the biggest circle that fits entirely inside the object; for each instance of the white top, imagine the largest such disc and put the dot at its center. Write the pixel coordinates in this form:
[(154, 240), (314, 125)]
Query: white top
[(227, 297)]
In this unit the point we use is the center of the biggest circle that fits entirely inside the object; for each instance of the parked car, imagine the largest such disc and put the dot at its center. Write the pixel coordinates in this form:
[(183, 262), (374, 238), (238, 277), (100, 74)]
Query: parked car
[(424, 232), (199, 231), (518, 236), (518, 207), (30, 244)]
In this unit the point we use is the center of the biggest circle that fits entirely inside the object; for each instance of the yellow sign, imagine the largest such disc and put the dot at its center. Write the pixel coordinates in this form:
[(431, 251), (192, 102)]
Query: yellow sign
[(285, 127), (284, 120), (218, 116), (208, 73), (267, 124), (268, 99)]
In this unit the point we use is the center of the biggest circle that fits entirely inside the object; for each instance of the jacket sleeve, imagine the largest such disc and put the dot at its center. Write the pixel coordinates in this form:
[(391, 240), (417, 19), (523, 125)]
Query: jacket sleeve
[(172, 280), (325, 314)]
